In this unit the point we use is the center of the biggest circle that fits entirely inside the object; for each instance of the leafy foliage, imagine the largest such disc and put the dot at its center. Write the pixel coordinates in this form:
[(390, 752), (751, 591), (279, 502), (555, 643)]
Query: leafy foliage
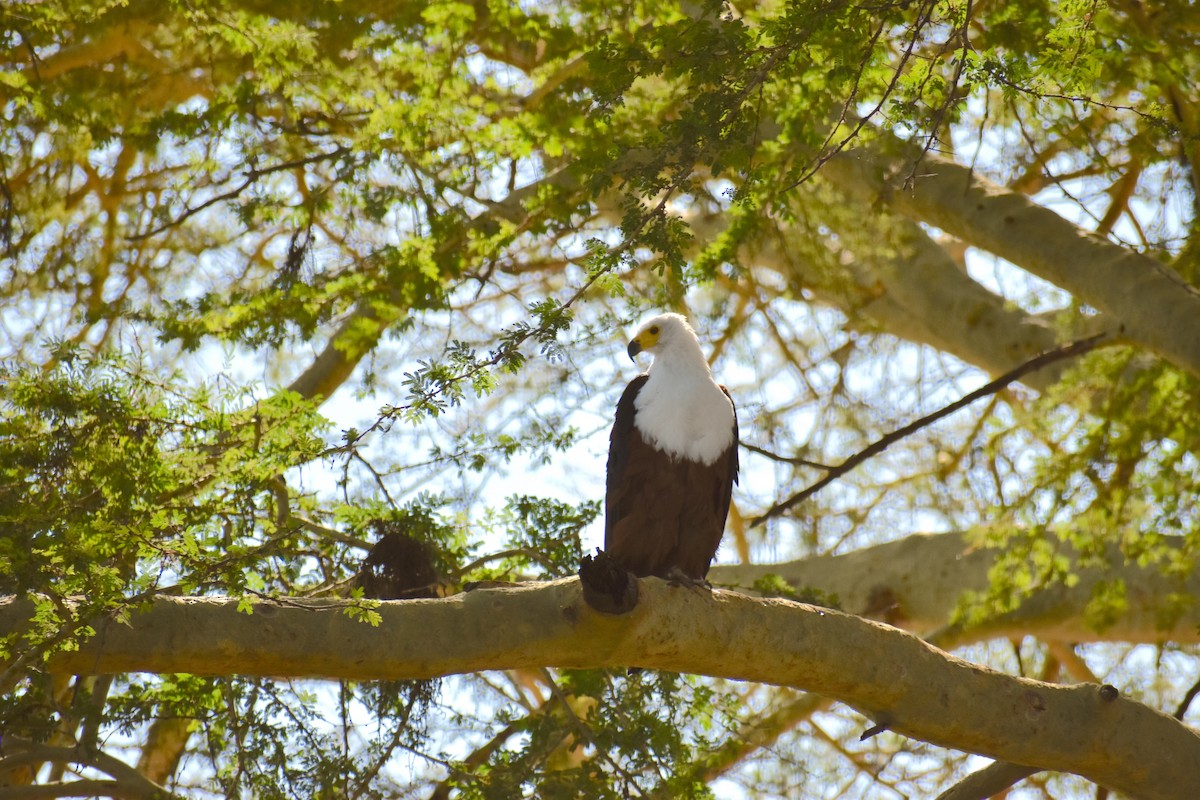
[(116, 485), (1111, 489), (550, 529)]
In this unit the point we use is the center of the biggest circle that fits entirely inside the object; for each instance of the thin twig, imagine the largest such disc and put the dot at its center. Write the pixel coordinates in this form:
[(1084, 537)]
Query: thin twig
[(251, 177), (875, 448), (532, 555), (793, 460), (1187, 701)]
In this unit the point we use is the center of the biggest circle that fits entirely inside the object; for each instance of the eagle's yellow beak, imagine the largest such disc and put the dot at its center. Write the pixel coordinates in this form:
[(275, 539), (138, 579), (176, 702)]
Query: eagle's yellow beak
[(645, 340)]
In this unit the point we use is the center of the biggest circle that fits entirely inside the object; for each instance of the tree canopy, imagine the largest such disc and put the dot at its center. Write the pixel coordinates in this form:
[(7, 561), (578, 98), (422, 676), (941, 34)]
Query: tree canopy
[(284, 280)]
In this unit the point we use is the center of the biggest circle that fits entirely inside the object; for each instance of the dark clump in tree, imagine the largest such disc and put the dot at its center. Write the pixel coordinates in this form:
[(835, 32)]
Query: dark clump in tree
[(399, 566)]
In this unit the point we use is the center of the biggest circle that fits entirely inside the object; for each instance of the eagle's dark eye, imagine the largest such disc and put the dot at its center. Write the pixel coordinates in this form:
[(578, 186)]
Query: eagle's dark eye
[(654, 329)]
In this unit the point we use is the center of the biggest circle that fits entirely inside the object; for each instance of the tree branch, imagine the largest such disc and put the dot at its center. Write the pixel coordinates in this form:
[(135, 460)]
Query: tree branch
[(989, 781), (164, 746), (924, 575), (913, 290), (128, 781), (250, 177), (755, 735), (1154, 307), (892, 677)]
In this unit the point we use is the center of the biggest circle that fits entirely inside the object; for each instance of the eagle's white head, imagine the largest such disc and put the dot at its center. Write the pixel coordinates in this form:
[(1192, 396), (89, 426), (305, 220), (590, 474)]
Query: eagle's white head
[(672, 341)]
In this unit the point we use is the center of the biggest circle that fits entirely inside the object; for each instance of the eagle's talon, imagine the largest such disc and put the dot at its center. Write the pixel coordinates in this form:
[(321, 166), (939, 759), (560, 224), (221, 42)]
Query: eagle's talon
[(677, 577)]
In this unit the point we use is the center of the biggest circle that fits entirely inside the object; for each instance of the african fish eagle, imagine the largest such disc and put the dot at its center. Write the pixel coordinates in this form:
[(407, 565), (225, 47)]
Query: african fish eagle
[(672, 459)]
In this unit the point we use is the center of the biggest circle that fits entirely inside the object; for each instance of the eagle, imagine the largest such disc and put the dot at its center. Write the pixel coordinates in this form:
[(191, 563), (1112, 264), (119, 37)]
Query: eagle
[(672, 459)]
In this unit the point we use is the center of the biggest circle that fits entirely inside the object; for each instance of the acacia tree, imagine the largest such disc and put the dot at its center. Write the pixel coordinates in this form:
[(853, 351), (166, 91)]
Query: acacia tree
[(284, 279)]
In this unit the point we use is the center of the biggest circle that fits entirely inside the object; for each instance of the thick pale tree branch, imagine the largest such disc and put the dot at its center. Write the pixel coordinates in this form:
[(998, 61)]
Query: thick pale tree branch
[(1152, 305), (892, 677), (916, 583), (166, 741), (918, 294), (962, 317), (119, 42)]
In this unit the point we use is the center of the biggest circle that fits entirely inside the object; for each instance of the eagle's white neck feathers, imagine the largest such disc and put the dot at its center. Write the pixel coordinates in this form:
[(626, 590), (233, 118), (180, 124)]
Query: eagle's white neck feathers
[(681, 410)]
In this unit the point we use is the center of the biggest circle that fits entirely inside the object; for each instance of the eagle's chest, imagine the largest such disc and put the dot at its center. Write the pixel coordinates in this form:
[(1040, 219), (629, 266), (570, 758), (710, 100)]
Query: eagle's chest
[(688, 420)]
